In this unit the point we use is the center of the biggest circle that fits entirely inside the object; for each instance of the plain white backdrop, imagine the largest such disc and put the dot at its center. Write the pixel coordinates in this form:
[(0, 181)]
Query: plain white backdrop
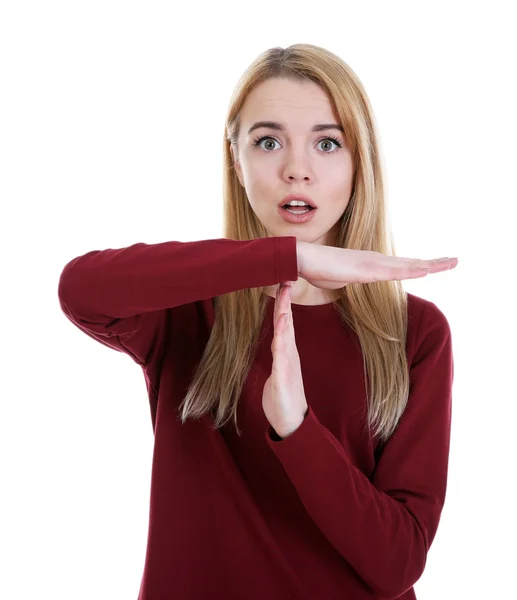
[(111, 133)]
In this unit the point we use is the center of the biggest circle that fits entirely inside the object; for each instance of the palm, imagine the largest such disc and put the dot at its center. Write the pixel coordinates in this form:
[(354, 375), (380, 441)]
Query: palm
[(332, 268), (283, 397)]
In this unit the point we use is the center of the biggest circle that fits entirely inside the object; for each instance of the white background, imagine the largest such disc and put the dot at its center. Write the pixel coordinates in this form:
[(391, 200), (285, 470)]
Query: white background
[(112, 117)]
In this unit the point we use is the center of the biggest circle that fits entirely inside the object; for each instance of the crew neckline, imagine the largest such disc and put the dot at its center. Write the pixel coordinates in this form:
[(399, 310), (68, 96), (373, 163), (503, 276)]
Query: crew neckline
[(306, 307)]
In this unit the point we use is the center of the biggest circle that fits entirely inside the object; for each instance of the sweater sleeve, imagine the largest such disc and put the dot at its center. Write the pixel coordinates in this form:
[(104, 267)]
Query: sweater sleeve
[(383, 526), (120, 296)]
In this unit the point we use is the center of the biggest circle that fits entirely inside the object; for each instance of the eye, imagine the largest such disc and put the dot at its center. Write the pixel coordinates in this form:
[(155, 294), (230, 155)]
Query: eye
[(332, 139), (259, 140)]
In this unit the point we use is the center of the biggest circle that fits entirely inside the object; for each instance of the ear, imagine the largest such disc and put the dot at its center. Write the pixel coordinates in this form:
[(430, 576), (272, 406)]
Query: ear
[(237, 166)]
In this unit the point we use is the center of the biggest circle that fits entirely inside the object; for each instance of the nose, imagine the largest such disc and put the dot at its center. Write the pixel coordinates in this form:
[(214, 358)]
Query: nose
[(297, 168), (302, 177)]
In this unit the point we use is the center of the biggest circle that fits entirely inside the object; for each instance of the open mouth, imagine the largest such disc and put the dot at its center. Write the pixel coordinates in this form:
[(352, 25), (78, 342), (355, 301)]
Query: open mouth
[(297, 210)]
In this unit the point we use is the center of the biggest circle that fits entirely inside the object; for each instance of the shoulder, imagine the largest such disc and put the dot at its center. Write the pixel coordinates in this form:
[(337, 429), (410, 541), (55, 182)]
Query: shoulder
[(426, 322), (425, 312)]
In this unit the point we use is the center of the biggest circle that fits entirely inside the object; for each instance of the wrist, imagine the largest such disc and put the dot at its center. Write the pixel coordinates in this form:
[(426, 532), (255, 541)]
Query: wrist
[(299, 255)]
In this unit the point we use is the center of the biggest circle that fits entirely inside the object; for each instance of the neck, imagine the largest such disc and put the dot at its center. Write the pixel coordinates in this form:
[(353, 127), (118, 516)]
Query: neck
[(305, 293)]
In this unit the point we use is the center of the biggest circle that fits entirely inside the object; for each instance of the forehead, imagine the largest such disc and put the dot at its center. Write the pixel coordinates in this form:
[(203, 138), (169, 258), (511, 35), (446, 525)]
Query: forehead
[(288, 101)]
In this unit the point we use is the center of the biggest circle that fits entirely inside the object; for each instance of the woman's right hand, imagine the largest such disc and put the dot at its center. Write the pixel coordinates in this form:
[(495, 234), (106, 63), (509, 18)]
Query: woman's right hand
[(331, 268)]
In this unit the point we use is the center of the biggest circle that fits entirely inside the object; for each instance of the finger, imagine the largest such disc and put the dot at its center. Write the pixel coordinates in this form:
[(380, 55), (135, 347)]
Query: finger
[(278, 301), (289, 309), (276, 310), (286, 309), (436, 264), (277, 322), (426, 267), (284, 332), (398, 268), (275, 307), (283, 306)]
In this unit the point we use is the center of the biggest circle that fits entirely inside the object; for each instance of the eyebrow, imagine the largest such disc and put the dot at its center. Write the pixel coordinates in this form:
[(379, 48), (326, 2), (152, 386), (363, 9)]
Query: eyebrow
[(280, 127)]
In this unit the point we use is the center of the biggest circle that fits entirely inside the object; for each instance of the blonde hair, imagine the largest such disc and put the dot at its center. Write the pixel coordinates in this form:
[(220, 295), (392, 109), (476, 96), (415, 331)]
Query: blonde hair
[(376, 312)]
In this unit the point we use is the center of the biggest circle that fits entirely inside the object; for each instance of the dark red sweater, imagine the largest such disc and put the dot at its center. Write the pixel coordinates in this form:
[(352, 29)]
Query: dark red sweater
[(321, 515)]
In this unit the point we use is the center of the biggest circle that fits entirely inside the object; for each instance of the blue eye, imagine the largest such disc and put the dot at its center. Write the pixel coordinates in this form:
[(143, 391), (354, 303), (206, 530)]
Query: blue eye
[(258, 140)]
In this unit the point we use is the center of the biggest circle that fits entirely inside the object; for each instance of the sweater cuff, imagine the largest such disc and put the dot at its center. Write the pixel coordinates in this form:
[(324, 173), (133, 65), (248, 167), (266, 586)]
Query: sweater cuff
[(306, 428), (287, 258)]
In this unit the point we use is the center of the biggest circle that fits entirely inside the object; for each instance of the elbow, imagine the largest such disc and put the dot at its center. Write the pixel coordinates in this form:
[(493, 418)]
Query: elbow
[(402, 570), (69, 281), (69, 290), (65, 291), (394, 587)]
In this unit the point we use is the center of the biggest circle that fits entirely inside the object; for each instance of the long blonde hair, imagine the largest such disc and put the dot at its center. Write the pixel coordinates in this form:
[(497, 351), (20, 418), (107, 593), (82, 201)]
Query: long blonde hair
[(376, 312)]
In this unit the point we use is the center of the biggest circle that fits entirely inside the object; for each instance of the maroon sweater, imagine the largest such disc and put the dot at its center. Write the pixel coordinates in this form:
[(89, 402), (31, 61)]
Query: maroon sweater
[(326, 513)]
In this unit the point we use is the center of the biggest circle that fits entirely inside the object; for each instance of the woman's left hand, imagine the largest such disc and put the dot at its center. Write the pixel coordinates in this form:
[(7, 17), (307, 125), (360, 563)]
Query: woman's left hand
[(283, 399)]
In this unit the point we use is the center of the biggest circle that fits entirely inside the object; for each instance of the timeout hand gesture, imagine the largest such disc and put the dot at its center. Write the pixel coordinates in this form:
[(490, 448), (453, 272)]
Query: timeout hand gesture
[(283, 398)]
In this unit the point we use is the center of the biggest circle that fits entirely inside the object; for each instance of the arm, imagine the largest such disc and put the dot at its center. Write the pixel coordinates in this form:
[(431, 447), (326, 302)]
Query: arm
[(120, 296), (383, 526)]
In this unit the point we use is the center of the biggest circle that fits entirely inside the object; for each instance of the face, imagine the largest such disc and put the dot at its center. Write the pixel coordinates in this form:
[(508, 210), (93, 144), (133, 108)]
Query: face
[(272, 163)]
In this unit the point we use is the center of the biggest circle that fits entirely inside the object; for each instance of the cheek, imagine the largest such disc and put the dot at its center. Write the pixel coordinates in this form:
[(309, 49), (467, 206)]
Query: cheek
[(254, 173), (341, 183), (260, 181), (262, 171)]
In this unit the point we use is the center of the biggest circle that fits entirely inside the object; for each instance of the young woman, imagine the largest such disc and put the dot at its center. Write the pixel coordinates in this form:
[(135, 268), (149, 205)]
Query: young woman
[(300, 399)]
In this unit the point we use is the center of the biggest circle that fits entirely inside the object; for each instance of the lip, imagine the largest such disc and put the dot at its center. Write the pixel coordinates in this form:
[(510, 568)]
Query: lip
[(296, 219), (297, 197)]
